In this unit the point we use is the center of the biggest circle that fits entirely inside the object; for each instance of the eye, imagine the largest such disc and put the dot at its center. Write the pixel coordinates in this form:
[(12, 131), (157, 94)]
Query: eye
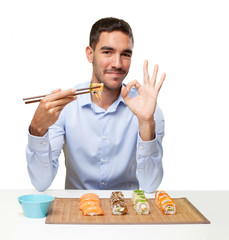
[(106, 52), (127, 55)]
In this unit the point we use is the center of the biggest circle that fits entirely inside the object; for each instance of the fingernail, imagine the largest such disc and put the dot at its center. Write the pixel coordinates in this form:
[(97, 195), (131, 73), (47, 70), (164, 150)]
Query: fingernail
[(73, 90)]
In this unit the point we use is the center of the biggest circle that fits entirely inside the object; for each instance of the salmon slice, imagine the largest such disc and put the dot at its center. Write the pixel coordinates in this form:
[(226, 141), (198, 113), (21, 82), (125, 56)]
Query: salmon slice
[(88, 195), (88, 199), (93, 211), (87, 204)]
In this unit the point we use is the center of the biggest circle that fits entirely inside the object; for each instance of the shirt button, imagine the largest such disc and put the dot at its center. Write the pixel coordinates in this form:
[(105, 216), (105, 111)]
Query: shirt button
[(46, 165), (103, 161), (102, 183), (141, 147), (43, 143), (105, 137), (140, 169)]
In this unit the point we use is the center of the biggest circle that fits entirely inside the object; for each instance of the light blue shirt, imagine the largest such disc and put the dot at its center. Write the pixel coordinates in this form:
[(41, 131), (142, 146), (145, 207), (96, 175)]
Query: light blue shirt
[(102, 148)]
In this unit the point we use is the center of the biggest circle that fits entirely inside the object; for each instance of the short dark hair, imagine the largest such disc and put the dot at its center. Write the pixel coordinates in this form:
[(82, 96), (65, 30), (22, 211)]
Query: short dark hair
[(109, 24)]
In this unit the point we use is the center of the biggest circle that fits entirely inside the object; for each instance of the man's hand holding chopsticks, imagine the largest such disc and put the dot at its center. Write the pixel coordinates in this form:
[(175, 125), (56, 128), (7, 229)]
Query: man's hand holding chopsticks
[(49, 110)]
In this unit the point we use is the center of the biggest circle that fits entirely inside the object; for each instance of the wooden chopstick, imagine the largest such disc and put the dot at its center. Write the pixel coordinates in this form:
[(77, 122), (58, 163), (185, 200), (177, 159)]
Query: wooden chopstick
[(38, 98)]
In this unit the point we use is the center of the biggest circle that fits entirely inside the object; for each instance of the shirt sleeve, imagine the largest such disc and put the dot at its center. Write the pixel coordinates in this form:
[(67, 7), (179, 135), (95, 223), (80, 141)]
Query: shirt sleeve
[(149, 158), (42, 155)]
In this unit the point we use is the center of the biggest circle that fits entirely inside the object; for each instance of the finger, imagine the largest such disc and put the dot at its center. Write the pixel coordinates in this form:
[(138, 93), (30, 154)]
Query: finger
[(55, 110), (146, 78), (59, 102), (154, 76), (133, 83), (58, 108), (56, 90), (60, 94), (160, 83), (124, 94)]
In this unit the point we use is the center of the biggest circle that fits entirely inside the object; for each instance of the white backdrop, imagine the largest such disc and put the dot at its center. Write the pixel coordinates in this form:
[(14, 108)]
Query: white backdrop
[(42, 47)]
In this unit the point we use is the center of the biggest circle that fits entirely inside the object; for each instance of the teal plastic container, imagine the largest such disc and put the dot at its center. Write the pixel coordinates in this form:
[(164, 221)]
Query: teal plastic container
[(35, 205)]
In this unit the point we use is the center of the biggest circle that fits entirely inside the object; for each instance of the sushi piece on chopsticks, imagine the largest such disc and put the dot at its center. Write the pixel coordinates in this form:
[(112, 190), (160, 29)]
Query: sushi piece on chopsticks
[(118, 204), (97, 91), (165, 203), (140, 202), (89, 204)]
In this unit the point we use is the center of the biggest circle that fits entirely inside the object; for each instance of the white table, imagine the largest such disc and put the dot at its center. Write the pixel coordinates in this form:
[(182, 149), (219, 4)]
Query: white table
[(212, 204)]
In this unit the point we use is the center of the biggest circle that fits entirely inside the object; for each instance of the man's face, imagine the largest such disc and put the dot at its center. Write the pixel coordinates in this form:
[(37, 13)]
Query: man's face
[(111, 59)]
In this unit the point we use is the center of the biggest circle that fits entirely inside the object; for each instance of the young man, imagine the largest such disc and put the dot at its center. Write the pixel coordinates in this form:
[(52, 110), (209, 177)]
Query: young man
[(113, 143)]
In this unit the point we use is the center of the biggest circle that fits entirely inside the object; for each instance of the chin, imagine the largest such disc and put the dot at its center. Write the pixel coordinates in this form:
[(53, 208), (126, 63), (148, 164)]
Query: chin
[(115, 84)]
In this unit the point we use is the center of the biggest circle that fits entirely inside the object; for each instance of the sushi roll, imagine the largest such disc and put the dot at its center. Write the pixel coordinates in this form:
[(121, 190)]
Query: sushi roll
[(118, 204), (118, 195), (119, 208), (169, 208), (137, 192), (140, 202), (165, 203), (138, 197), (142, 207)]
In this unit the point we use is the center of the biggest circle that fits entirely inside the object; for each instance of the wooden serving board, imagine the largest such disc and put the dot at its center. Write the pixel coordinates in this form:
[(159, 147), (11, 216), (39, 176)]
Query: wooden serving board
[(66, 211)]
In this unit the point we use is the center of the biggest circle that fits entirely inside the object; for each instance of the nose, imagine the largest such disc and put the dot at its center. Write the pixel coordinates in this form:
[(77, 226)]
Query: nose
[(117, 62)]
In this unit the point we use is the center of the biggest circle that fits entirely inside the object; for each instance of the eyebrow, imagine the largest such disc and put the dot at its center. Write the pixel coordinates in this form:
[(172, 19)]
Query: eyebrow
[(111, 49)]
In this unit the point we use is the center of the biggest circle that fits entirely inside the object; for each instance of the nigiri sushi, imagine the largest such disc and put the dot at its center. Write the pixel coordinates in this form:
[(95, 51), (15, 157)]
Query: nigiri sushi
[(93, 211), (88, 195), (89, 204), (86, 204)]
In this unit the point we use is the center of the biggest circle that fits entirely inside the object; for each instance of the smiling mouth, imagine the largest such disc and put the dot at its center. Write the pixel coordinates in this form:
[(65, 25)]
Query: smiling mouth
[(114, 72)]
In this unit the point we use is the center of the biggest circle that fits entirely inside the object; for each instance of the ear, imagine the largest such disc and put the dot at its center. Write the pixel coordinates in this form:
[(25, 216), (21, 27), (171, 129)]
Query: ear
[(89, 54)]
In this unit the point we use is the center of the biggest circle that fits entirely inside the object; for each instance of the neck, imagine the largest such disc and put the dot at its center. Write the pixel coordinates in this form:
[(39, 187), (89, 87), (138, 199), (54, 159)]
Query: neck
[(109, 96)]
